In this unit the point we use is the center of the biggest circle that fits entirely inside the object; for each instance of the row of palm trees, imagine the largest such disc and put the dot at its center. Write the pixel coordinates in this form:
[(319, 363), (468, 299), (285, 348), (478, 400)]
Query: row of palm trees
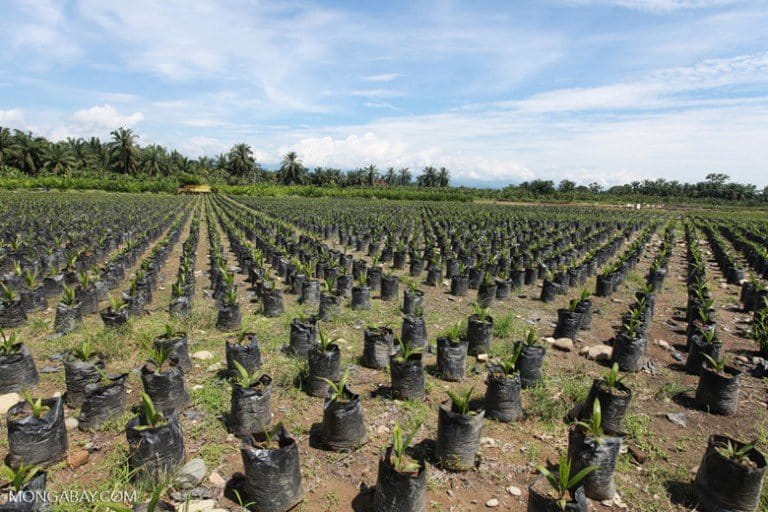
[(33, 155)]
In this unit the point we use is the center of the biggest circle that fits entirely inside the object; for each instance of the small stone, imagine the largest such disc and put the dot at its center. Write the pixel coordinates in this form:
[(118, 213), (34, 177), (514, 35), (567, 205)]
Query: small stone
[(213, 368), (71, 423), (663, 344), (678, 418), (199, 505), (482, 358), (514, 491), (639, 455), (7, 401), (607, 503), (677, 356), (191, 474), (741, 359), (757, 360), (492, 503), (50, 369), (550, 340), (724, 286), (488, 442), (584, 351), (202, 355), (77, 458), (197, 387), (217, 480), (564, 344), (382, 429), (600, 352)]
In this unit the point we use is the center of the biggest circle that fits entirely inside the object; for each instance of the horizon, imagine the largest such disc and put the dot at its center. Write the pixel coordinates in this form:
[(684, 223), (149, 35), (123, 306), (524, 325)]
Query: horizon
[(606, 91)]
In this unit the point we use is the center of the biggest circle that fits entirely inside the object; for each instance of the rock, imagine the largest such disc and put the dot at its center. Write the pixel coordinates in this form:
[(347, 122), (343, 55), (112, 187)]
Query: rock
[(599, 352), (197, 387), (382, 429), (71, 423), (77, 458), (663, 344), (217, 480), (514, 491), (757, 360), (7, 401), (639, 455), (482, 358), (488, 442), (492, 503), (677, 356), (550, 340), (678, 418), (202, 355), (583, 351), (199, 505), (191, 474), (50, 369), (741, 359), (213, 368), (198, 493), (723, 286), (564, 344)]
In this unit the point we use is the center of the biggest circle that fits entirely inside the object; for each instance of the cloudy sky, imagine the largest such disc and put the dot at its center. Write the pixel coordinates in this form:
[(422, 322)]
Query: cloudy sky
[(499, 92)]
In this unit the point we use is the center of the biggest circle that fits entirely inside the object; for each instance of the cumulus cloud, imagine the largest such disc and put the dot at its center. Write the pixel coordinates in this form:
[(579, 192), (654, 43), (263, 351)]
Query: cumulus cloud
[(13, 117), (104, 117)]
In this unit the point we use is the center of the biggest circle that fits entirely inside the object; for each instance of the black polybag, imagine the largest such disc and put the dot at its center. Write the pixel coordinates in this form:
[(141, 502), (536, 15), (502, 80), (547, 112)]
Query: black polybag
[(167, 388), (343, 423), (479, 335), (614, 404), (155, 452), (322, 364), (102, 402), (17, 370), (407, 376), (78, 374), (502, 395), (451, 359), (272, 477), (399, 492), (33, 440), (247, 353), (583, 451), (458, 437), (378, 344), (250, 411), (530, 363), (717, 393)]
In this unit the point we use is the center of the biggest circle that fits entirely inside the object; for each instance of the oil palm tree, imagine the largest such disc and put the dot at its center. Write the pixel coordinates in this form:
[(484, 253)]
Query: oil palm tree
[(241, 161), (443, 177), (291, 169), (58, 159), (428, 177), (153, 160), (7, 146), (390, 178), (371, 175), (124, 153), (404, 176), (29, 152)]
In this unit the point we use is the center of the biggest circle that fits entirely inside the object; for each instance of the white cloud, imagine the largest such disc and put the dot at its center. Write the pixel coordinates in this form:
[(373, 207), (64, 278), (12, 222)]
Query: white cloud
[(105, 117), (13, 118), (384, 77), (656, 5)]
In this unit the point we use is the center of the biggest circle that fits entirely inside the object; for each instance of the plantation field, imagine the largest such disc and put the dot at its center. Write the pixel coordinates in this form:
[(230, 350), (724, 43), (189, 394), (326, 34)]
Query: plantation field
[(102, 279)]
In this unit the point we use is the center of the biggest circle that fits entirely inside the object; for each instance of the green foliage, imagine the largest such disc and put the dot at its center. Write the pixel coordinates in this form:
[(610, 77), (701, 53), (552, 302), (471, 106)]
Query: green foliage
[(338, 389), (9, 344), (152, 417), (594, 426), (612, 377), (562, 482), (18, 478), (36, 404), (461, 400), (400, 443)]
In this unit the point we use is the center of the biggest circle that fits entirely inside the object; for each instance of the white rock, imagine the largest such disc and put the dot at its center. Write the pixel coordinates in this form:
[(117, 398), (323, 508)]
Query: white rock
[(202, 355), (549, 340), (492, 503), (482, 357), (216, 479), (199, 505), (71, 423), (191, 474), (564, 344), (600, 352), (663, 344), (7, 401), (382, 429), (514, 491)]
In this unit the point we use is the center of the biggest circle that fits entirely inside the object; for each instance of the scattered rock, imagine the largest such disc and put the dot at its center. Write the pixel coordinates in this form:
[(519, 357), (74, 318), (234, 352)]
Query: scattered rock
[(7, 401), (678, 418), (550, 340), (677, 356), (197, 387), (191, 474), (584, 351), (492, 503), (600, 352), (757, 360), (564, 344), (71, 423), (198, 493), (514, 491), (199, 505), (216, 479), (488, 442), (741, 359), (77, 458), (482, 358), (639, 455), (213, 368), (202, 355), (663, 344)]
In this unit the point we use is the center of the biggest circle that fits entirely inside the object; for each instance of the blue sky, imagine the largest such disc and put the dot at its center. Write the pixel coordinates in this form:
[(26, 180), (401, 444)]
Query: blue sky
[(498, 92)]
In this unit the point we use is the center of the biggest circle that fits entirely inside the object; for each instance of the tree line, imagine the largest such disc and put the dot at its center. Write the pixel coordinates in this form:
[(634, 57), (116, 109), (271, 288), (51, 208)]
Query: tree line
[(121, 154)]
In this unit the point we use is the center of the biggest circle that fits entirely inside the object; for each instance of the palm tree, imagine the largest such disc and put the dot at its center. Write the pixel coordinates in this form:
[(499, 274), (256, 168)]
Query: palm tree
[(428, 177), (241, 161), (29, 152), (124, 152), (391, 177), (79, 150), (404, 176), (153, 160), (291, 169), (371, 175), (443, 177), (7, 146), (58, 159), (99, 153)]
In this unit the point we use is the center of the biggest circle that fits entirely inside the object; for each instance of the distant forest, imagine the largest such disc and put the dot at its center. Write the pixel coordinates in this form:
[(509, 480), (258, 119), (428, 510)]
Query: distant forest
[(25, 155)]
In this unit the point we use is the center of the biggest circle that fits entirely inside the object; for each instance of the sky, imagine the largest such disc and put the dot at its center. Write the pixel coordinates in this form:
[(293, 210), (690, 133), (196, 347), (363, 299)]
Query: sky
[(605, 91)]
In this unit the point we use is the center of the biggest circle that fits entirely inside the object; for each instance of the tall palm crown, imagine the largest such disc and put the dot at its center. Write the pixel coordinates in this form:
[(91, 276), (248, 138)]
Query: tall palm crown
[(291, 169), (124, 152)]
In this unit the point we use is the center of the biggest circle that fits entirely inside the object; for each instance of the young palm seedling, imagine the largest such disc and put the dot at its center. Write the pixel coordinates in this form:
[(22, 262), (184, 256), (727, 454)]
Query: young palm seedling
[(562, 482)]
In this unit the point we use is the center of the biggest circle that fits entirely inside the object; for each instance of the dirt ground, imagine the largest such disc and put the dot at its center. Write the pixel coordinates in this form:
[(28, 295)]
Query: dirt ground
[(661, 480)]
